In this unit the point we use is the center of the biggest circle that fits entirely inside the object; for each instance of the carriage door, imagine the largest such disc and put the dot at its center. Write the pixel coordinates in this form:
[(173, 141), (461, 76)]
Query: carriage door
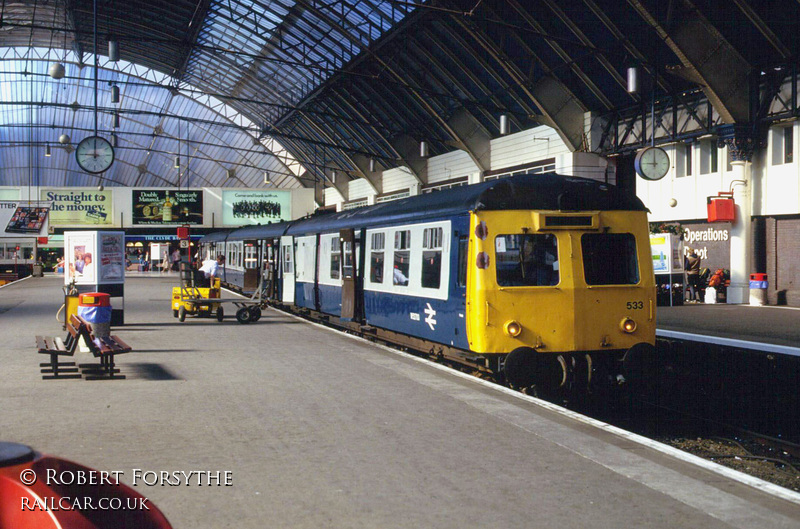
[(347, 238), (287, 262), (251, 268)]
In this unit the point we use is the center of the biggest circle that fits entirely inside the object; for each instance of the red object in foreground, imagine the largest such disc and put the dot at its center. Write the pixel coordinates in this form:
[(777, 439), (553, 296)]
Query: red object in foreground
[(721, 208), (94, 299), (50, 506)]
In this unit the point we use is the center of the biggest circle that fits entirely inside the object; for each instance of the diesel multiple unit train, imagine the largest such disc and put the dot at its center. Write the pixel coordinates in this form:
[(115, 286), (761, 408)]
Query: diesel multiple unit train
[(541, 280)]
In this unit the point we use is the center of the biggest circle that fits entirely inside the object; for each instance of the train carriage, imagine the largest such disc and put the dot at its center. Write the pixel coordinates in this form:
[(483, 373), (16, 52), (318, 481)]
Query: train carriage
[(545, 279)]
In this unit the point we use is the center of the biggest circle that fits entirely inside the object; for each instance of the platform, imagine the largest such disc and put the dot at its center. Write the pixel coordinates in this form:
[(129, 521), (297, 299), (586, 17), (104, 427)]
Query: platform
[(766, 324), (320, 429)]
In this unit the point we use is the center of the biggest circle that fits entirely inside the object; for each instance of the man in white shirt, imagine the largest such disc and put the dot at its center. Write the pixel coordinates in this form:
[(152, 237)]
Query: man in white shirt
[(210, 269)]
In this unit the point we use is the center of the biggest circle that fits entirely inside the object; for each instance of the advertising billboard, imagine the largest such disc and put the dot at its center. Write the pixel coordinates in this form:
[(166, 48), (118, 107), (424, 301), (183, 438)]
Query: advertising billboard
[(80, 206), (28, 217), (167, 206), (255, 207)]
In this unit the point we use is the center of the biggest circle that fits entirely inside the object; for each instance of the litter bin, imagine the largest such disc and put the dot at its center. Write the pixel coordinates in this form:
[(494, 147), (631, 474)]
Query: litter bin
[(758, 289), (38, 270), (95, 307)]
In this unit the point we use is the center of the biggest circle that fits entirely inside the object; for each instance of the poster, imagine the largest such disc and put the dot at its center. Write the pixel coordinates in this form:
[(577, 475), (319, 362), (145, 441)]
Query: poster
[(28, 217), (255, 207), (112, 257), (667, 252), (80, 206), (80, 258), (167, 206)]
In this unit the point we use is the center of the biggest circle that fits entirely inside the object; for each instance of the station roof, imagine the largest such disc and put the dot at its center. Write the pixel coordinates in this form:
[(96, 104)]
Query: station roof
[(303, 88)]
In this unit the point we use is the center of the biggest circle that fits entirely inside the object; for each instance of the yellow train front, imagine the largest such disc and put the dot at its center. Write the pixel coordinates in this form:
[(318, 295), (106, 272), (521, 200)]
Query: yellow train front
[(562, 299)]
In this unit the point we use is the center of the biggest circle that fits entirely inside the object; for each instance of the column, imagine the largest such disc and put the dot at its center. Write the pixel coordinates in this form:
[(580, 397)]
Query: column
[(742, 142), (741, 246)]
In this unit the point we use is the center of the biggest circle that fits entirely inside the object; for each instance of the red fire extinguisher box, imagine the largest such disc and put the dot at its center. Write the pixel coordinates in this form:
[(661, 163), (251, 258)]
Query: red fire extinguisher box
[(721, 208)]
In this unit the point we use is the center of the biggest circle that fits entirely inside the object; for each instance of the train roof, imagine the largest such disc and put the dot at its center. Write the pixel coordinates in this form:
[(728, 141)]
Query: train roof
[(260, 231), (522, 192), (215, 236)]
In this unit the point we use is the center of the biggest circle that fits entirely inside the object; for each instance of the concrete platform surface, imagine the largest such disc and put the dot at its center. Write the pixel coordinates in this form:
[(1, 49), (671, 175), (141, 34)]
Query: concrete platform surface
[(322, 430), (767, 324)]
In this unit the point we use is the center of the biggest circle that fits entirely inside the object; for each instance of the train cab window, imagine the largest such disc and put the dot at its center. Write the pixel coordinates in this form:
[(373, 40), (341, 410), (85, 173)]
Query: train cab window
[(378, 240), (431, 257), (288, 267), (336, 257), (402, 257), (609, 259), (529, 260)]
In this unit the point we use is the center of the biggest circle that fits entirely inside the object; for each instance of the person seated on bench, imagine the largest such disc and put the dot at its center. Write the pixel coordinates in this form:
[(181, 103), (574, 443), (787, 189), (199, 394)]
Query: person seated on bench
[(211, 268)]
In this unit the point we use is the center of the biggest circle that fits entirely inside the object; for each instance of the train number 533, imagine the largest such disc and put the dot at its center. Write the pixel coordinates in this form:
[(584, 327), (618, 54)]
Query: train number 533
[(635, 305)]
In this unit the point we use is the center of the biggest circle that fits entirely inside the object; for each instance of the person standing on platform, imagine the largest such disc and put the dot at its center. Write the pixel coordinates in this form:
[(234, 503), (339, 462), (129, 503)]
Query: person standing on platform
[(692, 267), (175, 258)]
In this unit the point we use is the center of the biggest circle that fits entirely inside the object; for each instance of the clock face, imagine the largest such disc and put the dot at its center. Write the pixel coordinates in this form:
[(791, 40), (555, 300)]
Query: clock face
[(94, 154), (652, 163)]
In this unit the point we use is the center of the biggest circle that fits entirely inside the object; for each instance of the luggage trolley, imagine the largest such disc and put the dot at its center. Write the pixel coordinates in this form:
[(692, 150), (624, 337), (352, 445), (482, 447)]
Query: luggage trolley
[(188, 299)]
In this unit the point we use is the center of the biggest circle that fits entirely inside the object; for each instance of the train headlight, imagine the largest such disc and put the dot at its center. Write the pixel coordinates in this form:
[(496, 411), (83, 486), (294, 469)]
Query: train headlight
[(627, 325), (512, 328)]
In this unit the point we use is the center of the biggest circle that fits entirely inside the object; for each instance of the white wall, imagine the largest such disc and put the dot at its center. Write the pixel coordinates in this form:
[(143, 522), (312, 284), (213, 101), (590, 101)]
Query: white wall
[(399, 178), (455, 164), (538, 143), (360, 188), (775, 186)]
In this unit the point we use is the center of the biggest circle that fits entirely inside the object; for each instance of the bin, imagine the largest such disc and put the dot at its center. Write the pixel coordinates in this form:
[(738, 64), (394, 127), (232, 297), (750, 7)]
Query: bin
[(38, 270), (758, 289), (95, 307)]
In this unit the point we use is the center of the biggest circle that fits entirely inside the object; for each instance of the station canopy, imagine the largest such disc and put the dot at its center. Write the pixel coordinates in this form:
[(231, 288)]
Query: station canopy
[(236, 93)]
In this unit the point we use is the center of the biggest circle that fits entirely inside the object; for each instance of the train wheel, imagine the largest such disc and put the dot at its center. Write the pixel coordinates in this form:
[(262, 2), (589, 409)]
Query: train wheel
[(174, 313), (182, 313), (255, 314), (524, 367), (519, 367), (220, 313), (243, 315)]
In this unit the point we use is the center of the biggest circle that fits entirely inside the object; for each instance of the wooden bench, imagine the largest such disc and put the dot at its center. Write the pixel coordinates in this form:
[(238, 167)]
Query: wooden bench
[(56, 347), (104, 348)]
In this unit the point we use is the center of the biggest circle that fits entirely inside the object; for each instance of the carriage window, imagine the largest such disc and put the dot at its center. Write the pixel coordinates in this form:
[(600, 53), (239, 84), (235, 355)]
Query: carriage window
[(431, 257), (402, 256), (336, 257), (527, 260), (347, 268), (287, 259), (376, 258), (251, 256), (463, 249), (609, 259)]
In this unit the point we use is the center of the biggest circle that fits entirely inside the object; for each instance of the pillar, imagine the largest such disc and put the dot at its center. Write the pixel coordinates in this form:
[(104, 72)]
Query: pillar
[(742, 142), (741, 246)]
